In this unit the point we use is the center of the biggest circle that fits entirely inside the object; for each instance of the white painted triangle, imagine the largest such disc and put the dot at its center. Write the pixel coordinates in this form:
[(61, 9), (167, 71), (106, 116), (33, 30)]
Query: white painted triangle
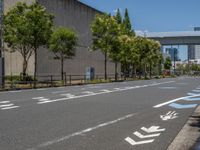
[(132, 142), (138, 134)]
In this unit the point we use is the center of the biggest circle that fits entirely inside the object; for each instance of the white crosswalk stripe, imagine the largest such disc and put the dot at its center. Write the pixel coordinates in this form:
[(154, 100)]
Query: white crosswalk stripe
[(5, 105)]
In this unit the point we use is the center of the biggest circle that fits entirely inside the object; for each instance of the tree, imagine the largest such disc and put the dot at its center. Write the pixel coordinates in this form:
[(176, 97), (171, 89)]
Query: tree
[(118, 17), (62, 43), (17, 33), (40, 24), (167, 63), (105, 30), (127, 24)]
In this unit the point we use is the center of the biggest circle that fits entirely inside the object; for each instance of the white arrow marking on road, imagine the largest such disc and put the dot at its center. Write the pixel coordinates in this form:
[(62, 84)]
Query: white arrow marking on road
[(169, 115), (132, 142), (138, 134), (152, 129)]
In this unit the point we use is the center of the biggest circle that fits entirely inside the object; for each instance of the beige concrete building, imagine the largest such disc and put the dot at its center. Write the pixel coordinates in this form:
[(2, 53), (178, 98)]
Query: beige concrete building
[(68, 13)]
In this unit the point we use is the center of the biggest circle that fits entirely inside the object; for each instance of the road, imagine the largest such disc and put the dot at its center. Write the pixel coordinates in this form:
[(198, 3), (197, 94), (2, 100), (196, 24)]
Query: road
[(131, 115)]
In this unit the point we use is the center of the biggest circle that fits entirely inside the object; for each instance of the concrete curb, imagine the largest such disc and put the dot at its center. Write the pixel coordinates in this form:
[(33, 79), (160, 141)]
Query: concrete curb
[(189, 134)]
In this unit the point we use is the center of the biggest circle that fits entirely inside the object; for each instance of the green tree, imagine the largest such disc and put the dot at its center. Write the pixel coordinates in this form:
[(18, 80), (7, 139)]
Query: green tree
[(40, 24), (118, 16), (167, 63), (105, 30), (17, 33), (62, 43), (127, 24)]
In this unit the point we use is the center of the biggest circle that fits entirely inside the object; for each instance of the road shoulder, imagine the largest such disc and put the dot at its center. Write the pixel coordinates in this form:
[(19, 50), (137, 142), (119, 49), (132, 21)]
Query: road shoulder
[(189, 134)]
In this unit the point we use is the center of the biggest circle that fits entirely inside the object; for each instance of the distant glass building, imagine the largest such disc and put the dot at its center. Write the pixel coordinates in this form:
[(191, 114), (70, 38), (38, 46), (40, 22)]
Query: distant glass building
[(194, 50), (173, 52)]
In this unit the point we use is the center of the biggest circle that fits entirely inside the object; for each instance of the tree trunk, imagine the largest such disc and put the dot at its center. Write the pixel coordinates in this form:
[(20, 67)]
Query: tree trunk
[(35, 69), (105, 69), (150, 70), (145, 71), (116, 74), (25, 63), (134, 71), (62, 65), (140, 71)]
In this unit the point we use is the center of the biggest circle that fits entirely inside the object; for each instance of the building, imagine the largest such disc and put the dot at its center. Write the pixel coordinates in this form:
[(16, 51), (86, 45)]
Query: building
[(194, 50), (173, 52), (68, 13)]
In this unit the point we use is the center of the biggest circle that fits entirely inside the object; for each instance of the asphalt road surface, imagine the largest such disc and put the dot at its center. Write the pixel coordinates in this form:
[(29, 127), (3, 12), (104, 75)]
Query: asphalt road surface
[(115, 116)]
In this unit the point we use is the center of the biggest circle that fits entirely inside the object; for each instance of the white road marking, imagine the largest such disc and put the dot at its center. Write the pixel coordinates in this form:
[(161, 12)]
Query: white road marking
[(15, 91), (44, 99), (104, 91), (174, 100), (117, 89), (169, 116), (37, 97), (132, 142), (40, 89), (58, 140), (196, 90), (152, 129), (68, 95), (138, 134), (9, 107), (4, 102), (88, 92), (191, 94)]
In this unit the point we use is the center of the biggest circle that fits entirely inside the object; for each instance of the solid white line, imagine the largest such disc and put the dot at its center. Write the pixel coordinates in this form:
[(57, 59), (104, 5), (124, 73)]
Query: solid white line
[(81, 96), (44, 99), (81, 132), (175, 100), (6, 105), (9, 107)]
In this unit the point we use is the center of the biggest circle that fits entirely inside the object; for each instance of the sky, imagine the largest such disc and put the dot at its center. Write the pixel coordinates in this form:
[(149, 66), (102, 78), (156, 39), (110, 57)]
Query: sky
[(155, 15)]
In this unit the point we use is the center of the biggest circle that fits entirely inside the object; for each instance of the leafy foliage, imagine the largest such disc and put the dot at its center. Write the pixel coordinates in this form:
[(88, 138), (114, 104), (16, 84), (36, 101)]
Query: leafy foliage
[(62, 43), (167, 63)]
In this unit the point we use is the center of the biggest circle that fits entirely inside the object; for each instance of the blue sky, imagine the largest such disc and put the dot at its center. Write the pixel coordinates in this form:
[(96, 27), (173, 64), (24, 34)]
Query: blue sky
[(156, 15)]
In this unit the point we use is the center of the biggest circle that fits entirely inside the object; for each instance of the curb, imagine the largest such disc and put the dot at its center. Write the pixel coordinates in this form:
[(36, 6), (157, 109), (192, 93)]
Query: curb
[(189, 134)]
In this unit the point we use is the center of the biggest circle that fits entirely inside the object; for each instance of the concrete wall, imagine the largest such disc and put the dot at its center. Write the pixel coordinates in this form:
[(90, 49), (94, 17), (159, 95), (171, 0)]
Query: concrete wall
[(73, 14), (68, 13)]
